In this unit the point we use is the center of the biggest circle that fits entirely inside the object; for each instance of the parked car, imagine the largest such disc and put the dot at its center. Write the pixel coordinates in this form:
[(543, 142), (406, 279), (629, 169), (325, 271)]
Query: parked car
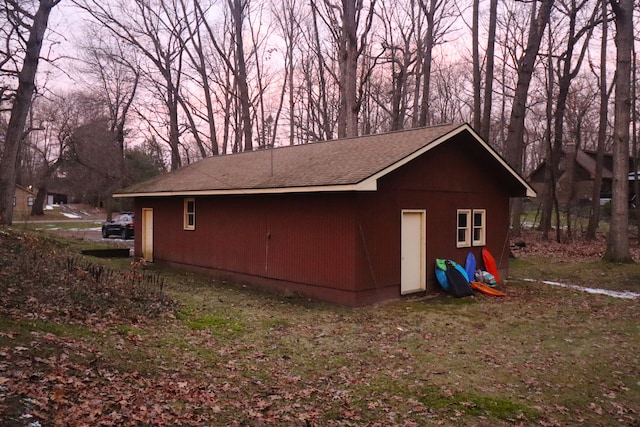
[(121, 225)]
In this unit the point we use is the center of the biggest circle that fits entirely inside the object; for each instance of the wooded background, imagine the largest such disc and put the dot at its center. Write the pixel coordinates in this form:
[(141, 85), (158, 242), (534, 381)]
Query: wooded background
[(152, 85)]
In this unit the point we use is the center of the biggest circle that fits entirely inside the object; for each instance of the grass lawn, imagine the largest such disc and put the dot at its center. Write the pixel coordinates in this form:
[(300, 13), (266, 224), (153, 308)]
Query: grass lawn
[(88, 343)]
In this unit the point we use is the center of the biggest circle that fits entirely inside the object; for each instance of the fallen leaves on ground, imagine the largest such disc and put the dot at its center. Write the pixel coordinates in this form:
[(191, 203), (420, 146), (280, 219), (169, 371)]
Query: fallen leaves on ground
[(531, 243), (80, 346)]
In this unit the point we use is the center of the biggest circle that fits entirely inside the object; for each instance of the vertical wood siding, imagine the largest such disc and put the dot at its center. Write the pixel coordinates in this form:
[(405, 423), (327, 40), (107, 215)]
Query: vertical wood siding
[(298, 238), (455, 175)]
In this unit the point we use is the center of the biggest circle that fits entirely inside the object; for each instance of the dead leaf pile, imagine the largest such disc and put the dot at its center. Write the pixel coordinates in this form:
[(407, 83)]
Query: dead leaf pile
[(531, 243), (40, 280)]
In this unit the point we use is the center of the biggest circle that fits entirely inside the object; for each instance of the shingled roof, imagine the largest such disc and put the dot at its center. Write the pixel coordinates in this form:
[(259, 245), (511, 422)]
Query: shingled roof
[(349, 164)]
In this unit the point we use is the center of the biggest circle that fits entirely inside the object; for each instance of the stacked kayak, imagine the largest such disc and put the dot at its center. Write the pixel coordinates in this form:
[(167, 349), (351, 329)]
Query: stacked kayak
[(459, 281)]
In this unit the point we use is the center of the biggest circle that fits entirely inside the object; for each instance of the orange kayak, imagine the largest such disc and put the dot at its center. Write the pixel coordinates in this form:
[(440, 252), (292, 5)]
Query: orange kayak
[(487, 290), (490, 263)]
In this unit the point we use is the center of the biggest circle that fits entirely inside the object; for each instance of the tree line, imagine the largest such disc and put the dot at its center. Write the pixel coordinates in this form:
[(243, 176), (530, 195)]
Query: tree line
[(179, 80)]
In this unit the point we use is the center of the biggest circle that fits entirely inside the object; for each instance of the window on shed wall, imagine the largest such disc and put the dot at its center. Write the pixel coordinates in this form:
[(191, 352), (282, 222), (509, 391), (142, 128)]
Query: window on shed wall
[(30, 201), (464, 228), (479, 227), (189, 214)]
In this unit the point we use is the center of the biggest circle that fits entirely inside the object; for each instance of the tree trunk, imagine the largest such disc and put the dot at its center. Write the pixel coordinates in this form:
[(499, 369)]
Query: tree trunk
[(38, 204), (570, 177), (201, 65), (325, 125), (475, 49), (429, 12), (20, 110), (290, 81), (549, 198), (594, 215), (194, 127), (634, 146), (174, 133), (485, 129), (348, 63), (515, 131), (237, 13), (618, 241)]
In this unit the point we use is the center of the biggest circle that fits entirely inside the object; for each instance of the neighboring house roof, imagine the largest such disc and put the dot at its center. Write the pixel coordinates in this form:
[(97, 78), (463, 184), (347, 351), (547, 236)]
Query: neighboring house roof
[(25, 189), (589, 164), (584, 159), (349, 164)]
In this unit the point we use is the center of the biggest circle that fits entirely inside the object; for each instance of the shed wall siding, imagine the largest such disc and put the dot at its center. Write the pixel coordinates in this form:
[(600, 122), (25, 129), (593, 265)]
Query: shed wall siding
[(307, 239), (439, 182)]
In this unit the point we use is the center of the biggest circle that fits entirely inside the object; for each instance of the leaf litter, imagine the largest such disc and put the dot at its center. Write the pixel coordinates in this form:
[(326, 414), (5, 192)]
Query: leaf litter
[(118, 350)]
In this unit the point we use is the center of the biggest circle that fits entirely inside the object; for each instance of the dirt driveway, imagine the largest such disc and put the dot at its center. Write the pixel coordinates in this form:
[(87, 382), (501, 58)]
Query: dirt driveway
[(73, 221)]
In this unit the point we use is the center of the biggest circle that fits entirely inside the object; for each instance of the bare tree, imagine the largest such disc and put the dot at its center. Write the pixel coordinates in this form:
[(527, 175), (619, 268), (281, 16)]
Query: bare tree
[(400, 41), (516, 128), (288, 15), (345, 25), (449, 82), (489, 71), (198, 57), (262, 99), (49, 144), (475, 54), (22, 101), (322, 107), (238, 10), (116, 72), (567, 71), (156, 30), (594, 214), (579, 124), (437, 14), (618, 240)]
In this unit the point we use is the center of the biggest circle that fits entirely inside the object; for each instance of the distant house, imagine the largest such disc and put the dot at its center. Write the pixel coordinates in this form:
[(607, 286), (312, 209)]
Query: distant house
[(23, 202), (583, 177), (56, 197), (352, 221)]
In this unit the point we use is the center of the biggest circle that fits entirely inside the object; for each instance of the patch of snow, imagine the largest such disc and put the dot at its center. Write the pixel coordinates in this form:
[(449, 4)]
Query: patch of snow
[(49, 207), (85, 229), (70, 215), (615, 294)]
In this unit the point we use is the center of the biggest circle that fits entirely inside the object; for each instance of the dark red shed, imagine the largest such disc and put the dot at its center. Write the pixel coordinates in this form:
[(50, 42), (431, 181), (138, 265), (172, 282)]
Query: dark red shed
[(352, 221)]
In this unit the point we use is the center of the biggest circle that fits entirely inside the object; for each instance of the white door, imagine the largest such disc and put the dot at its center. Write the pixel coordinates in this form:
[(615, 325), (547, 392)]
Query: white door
[(413, 276), (147, 234)]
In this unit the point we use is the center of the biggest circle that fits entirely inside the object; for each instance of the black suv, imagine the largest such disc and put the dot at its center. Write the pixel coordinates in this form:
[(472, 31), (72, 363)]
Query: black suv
[(121, 225)]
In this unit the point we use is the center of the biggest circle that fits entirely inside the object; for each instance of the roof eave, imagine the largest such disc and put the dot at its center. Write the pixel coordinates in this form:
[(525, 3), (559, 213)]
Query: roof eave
[(366, 185)]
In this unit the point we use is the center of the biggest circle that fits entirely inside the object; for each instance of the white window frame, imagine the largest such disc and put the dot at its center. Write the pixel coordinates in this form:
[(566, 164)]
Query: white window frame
[(482, 228), (189, 224), (466, 241), (30, 200)]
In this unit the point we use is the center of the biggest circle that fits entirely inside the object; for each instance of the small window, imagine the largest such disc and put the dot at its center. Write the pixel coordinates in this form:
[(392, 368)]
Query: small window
[(14, 202), (464, 228), (30, 201), (189, 214), (479, 227)]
